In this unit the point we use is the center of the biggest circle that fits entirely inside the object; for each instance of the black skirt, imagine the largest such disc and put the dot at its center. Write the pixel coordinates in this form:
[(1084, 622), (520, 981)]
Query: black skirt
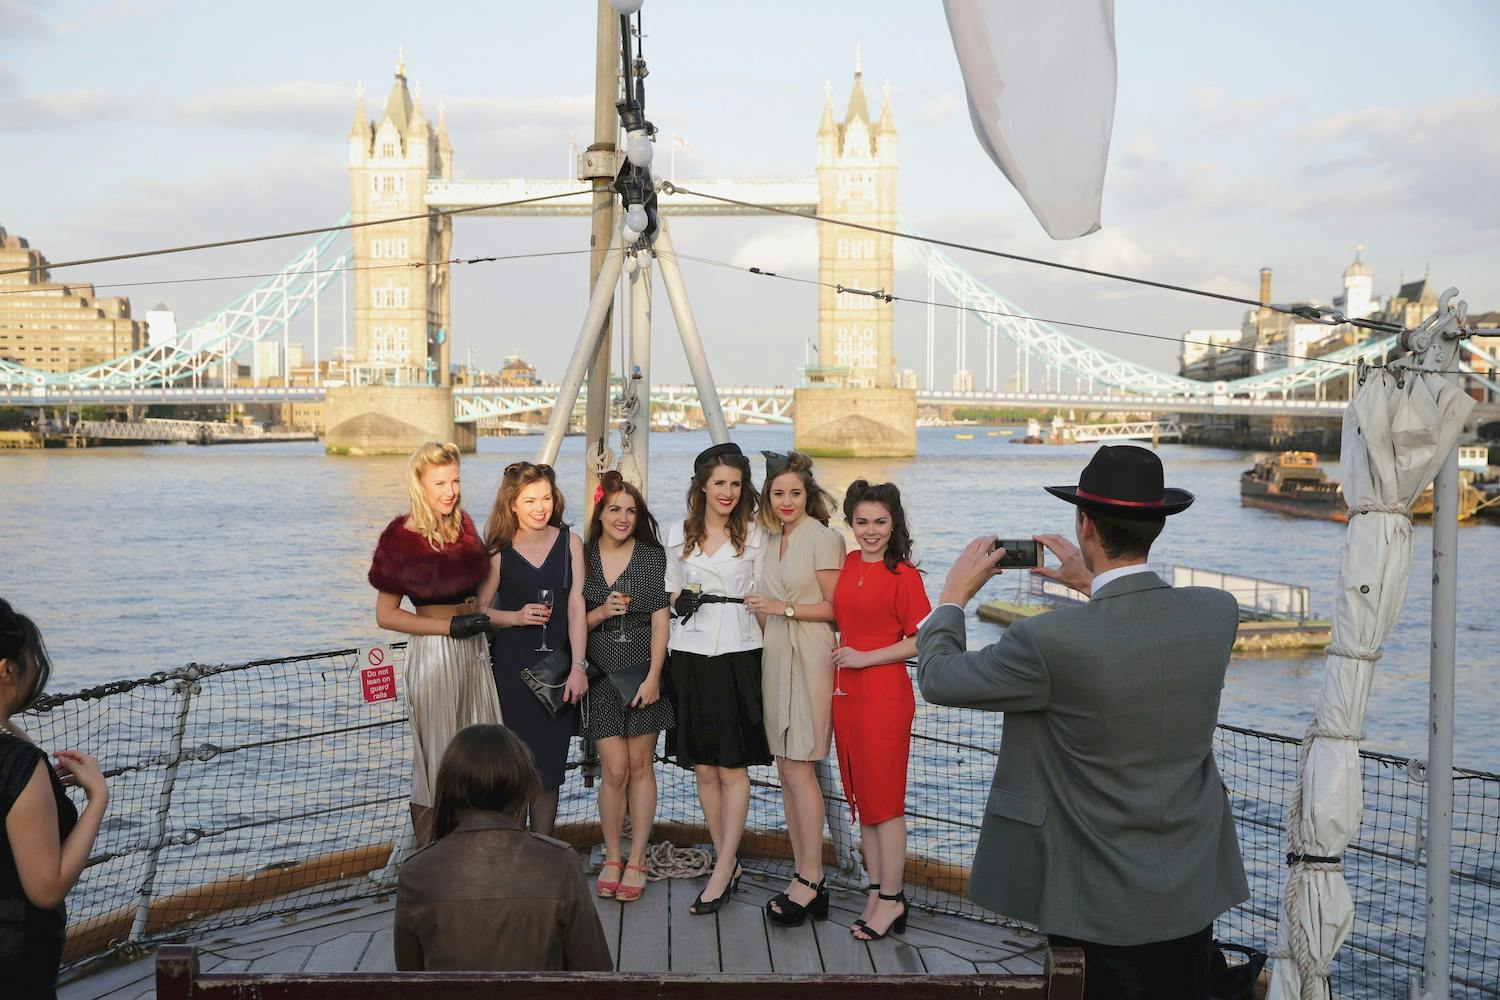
[(718, 706)]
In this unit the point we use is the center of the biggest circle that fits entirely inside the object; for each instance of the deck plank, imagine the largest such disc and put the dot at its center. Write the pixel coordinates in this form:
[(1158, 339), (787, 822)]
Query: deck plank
[(840, 951), (380, 956), (892, 956), (644, 934), (695, 940), (743, 926), (941, 962), (109, 979), (289, 959), (340, 954), (609, 918)]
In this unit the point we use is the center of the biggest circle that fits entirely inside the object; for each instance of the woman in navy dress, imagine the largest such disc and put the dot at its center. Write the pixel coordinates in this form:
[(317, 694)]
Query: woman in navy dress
[(532, 550)]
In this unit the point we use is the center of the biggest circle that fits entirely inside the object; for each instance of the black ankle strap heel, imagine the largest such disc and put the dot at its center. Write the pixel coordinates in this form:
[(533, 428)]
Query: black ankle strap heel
[(788, 913), (898, 925)]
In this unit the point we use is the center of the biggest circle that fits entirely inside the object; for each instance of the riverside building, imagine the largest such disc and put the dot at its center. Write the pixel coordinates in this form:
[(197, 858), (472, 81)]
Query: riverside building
[(54, 326)]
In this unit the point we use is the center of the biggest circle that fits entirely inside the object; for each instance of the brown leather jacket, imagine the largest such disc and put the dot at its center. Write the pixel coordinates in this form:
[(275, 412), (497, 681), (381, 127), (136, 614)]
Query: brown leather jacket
[(491, 897)]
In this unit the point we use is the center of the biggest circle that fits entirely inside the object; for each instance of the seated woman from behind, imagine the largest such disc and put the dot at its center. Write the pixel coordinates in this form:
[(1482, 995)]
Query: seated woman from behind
[(486, 895)]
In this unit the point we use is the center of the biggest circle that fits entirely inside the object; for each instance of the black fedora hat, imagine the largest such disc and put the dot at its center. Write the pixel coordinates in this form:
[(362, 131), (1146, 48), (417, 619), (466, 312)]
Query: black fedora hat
[(1124, 481)]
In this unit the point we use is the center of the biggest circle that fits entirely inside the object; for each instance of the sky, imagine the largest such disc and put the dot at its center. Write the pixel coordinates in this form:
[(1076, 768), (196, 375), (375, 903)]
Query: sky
[(1277, 134)]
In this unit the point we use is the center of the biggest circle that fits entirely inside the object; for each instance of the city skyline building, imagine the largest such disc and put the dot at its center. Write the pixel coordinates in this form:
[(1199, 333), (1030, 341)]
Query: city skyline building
[(56, 326)]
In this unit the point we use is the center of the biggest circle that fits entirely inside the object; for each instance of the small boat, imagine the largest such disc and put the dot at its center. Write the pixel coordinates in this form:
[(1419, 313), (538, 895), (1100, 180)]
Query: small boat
[(1033, 433), (1293, 483), (1274, 617), (963, 437)]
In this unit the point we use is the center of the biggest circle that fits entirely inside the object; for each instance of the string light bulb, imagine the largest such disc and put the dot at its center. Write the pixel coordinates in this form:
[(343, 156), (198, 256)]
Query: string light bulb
[(626, 7), (638, 149), (636, 218)]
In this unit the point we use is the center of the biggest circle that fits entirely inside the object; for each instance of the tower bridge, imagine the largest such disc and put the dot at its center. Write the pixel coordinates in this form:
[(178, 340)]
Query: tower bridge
[(400, 329)]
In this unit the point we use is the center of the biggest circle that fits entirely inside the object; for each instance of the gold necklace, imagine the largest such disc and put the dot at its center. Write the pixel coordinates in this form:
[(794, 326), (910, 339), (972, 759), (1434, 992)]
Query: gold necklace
[(864, 568)]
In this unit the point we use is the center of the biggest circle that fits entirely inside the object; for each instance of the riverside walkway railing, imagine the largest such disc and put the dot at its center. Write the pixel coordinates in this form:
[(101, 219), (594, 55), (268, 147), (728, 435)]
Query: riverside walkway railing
[(249, 790)]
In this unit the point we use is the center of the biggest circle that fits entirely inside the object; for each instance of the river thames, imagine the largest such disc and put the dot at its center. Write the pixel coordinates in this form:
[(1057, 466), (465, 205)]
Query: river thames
[(135, 560)]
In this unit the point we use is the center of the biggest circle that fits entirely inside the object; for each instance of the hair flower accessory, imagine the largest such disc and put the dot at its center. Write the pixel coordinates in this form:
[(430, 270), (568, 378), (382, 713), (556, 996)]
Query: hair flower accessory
[(599, 494)]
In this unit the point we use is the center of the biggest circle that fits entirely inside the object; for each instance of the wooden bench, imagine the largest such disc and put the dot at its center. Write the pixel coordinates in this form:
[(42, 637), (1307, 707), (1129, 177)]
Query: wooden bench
[(178, 978)]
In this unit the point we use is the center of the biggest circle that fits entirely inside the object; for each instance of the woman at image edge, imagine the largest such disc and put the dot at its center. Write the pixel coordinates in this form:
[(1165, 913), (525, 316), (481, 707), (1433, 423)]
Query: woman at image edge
[(879, 602), (625, 590), (795, 602), (433, 556), (531, 549), (715, 659), (46, 842)]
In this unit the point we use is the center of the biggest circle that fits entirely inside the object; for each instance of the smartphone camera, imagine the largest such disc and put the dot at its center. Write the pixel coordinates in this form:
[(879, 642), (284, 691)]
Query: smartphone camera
[(1019, 553)]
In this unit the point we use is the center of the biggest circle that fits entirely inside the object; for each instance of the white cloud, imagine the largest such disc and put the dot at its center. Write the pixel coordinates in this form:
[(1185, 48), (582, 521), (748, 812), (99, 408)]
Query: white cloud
[(1215, 111), (296, 105), (793, 250), (62, 110), (25, 18)]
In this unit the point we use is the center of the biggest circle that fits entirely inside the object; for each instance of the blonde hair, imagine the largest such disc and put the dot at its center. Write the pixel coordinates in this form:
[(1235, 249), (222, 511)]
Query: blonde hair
[(438, 529), (820, 503), (503, 524)]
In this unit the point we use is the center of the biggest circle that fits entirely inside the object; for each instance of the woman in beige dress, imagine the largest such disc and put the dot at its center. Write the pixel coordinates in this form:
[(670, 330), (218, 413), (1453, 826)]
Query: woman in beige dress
[(794, 599)]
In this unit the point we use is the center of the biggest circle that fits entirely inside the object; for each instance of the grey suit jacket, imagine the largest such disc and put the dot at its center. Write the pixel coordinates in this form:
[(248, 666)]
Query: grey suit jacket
[(1106, 820)]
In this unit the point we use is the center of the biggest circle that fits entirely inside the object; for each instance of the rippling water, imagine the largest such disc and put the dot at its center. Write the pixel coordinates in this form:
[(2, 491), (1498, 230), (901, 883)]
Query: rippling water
[(141, 559)]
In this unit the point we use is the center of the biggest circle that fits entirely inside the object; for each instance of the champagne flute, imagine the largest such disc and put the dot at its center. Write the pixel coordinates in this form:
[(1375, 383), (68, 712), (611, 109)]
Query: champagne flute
[(838, 687), (620, 636), (544, 596)]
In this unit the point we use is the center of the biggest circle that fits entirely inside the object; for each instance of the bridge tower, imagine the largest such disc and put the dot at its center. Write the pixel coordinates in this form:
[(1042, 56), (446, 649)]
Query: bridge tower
[(857, 182), (401, 314), (400, 393), (851, 405)]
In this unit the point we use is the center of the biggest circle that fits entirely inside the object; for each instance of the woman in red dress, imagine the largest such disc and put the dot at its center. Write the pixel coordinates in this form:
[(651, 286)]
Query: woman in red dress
[(879, 602)]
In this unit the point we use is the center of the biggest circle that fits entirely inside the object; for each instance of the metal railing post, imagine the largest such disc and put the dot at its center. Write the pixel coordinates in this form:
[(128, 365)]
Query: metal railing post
[(1438, 958), (185, 688)]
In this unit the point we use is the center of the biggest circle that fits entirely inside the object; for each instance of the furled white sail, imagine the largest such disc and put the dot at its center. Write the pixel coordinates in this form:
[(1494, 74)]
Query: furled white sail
[(1040, 77)]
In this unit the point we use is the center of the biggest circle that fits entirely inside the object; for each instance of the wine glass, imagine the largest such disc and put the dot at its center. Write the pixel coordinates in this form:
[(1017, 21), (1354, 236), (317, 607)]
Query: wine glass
[(620, 636), (544, 597), (838, 687), (697, 590)]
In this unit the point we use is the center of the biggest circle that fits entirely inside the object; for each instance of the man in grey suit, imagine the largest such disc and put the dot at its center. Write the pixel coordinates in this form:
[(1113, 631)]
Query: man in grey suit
[(1107, 823)]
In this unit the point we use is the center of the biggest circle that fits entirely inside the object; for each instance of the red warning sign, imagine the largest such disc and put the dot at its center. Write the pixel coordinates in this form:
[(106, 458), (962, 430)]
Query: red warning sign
[(377, 674)]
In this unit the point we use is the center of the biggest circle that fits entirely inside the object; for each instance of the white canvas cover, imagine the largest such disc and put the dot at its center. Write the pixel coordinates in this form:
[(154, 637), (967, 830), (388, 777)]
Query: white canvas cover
[(1040, 80), (1395, 438)]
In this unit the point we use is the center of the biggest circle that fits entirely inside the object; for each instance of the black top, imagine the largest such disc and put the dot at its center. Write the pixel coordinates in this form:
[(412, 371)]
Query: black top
[(31, 938), (422, 602)]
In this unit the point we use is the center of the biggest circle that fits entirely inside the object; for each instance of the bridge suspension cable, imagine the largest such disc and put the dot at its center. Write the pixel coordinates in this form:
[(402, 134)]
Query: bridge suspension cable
[(1082, 360)]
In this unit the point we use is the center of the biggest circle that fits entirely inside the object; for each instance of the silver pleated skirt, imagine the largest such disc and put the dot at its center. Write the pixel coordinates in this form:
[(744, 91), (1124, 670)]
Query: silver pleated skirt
[(448, 686)]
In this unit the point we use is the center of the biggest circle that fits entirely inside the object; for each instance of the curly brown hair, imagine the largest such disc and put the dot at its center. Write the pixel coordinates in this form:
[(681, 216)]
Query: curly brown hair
[(501, 528), (695, 526), (820, 503), (898, 549)]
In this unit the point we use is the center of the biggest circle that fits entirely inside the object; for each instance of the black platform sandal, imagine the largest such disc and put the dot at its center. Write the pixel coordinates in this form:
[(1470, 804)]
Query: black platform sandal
[(792, 914), (702, 908), (872, 887), (898, 925)]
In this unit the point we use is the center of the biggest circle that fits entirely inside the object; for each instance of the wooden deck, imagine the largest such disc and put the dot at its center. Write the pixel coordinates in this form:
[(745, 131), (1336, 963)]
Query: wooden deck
[(654, 934)]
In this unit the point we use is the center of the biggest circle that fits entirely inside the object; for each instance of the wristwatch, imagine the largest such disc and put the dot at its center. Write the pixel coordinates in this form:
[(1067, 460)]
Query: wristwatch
[(791, 611)]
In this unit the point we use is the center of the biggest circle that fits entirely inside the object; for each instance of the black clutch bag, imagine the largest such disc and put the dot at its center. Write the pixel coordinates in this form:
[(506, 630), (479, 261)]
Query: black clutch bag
[(547, 678), (628, 681)]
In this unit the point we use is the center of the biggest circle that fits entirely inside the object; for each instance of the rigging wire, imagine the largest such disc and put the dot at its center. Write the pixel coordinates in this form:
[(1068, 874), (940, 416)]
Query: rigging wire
[(439, 213), (40, 293), (888, 297), (1311, 313)]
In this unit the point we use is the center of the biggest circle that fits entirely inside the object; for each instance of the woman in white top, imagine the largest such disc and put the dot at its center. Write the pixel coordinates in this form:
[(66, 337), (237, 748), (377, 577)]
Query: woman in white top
[(713, 559)]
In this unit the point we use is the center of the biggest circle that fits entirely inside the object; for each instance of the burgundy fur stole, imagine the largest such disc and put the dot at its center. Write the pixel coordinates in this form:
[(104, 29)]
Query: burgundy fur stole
[(404, 562)]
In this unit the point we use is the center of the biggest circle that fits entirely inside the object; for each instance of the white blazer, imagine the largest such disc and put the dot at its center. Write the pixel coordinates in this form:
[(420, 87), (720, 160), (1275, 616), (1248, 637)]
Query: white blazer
[(716, 628)]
